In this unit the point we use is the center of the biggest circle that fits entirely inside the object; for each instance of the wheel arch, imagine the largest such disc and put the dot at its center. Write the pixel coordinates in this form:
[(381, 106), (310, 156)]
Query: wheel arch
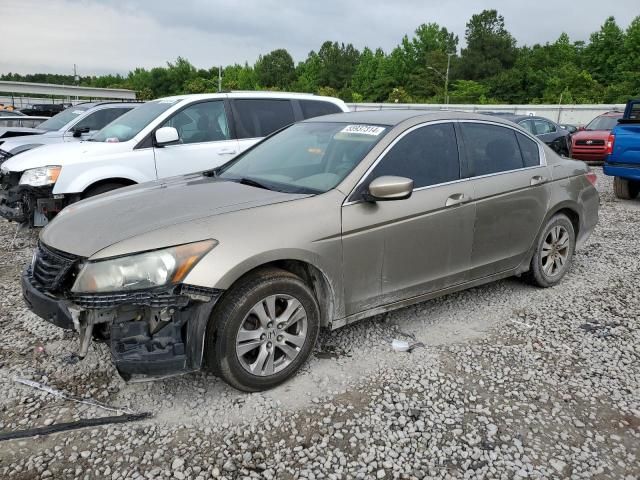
[(568, 208), (125, 182), (314, 277)]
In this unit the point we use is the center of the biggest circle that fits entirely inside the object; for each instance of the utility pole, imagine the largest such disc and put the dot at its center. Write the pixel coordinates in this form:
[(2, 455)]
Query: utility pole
[(219, 78), (446, 81), (76, 78)]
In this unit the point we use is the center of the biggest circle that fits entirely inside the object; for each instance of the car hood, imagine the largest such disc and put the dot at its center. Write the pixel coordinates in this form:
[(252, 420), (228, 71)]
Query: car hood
[(592, 134), (94, 224), (10, 132), (61, 154)]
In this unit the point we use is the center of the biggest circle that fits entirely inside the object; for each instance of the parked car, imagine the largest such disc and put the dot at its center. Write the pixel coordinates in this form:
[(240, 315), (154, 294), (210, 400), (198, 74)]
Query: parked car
[(19, 125), (569, 128), (6, 112), (554, 135), (162, 138), (72, 125), (45, 109), (623, 148), (327, 222), (590, 143)]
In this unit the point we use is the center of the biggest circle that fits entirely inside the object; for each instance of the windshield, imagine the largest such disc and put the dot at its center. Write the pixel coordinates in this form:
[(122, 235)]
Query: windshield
[(63, 118), (603, 123), (305, 158), (127, 126)]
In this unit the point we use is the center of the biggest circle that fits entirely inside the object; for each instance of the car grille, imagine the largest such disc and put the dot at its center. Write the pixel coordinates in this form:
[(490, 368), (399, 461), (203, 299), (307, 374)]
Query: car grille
[(50, 268), (590, 143)]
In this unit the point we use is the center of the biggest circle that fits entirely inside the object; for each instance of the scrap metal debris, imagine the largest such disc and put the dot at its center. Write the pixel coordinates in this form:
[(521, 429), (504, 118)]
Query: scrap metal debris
[(66, 396), (62, 427)]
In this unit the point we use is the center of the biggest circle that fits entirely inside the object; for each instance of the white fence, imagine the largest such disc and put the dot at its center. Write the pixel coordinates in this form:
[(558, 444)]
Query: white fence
[(571, 114)]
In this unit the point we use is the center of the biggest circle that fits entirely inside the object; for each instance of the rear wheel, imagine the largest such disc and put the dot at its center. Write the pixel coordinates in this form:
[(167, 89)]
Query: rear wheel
[(265, 329), (553, 253), (625, 189), (102, 188)]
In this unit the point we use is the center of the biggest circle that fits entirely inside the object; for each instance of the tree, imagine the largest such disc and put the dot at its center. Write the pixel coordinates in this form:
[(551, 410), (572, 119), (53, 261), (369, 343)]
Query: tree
[(490, 47), (605, 53), (337, 64), (275, 69)]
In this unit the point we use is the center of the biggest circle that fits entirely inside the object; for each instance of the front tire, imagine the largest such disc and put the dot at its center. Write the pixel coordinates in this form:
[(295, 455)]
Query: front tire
[(625, 189), (265, 329), (554, 252)]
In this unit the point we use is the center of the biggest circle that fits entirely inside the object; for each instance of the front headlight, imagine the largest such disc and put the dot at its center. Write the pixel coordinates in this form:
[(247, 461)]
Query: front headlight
[(41, 176), (143, 270)]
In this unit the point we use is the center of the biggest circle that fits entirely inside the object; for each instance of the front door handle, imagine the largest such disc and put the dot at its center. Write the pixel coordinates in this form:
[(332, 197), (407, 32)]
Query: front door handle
[(537, 180), (227, 151), (455, 199)]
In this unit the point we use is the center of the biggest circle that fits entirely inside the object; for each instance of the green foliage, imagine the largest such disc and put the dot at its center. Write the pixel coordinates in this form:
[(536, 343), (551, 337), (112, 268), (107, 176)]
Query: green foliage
[(491, 68), (275, 70)]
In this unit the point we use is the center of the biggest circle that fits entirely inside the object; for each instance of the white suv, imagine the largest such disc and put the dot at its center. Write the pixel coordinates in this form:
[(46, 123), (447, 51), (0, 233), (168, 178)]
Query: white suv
[(162, 138)]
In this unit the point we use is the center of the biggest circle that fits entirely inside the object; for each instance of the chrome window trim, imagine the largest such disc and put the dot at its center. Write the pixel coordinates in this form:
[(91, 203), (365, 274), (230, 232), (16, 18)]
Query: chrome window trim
[(541, 153)]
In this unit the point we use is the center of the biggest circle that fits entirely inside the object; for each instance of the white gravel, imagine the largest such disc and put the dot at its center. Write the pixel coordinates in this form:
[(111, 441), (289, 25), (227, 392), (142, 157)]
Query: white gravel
[(513, 382)]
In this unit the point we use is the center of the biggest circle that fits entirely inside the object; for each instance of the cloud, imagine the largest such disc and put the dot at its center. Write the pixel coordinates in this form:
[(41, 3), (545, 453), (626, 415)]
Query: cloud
[(114, 36)]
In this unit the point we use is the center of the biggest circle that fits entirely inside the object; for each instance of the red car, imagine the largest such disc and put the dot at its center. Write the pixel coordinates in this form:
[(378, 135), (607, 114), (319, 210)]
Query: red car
[(590, 143)]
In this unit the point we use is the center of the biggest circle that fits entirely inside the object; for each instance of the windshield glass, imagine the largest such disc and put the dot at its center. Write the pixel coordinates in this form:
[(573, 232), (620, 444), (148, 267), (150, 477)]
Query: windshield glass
[(603, 123), (306, 157), (63, 118), (127, 126)]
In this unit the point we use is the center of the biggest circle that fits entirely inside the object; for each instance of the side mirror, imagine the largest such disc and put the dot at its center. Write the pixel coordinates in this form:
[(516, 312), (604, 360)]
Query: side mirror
[(79, 131), (389, 188), (581, 128), (166, 136)]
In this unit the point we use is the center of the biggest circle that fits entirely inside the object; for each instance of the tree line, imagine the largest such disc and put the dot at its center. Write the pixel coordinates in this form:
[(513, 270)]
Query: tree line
[(491, 68)]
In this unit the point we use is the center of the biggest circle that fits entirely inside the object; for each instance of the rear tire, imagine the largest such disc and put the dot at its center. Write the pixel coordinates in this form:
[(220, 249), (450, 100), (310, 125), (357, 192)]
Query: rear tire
[(102, 188), (553, 254), (263, 330), (625, 189)]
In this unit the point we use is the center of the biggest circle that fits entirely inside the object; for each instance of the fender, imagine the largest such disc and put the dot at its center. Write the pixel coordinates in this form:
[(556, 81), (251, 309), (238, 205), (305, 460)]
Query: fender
[(67, 183)]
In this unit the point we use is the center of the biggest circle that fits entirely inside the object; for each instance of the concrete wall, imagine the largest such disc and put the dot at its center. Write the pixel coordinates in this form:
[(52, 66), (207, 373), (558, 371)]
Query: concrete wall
[(572, 114)]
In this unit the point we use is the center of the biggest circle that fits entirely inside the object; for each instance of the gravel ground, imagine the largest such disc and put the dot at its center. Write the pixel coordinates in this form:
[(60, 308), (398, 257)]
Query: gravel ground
[(513, 382)]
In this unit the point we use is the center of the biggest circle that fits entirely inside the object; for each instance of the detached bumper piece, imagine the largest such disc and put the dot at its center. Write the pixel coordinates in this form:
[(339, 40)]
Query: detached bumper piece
[(153, 333)]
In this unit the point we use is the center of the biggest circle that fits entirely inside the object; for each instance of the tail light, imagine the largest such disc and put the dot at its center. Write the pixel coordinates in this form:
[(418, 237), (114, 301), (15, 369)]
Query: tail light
[(592, 177), (610, 142)]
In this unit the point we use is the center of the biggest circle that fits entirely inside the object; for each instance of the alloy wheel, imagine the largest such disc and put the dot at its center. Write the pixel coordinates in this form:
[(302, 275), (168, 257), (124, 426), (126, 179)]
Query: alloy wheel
[(555, 251), (271, 335)]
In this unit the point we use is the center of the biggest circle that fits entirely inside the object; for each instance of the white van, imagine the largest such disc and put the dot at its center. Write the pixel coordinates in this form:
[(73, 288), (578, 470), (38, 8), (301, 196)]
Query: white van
[(161, 138)]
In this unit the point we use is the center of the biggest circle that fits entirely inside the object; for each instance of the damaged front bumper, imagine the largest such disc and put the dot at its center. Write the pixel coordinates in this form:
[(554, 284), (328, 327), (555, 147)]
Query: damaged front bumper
[(35, 206), (152, 333)]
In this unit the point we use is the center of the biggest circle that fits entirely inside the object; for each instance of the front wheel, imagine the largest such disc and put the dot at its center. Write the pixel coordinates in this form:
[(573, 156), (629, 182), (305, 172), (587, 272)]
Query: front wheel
[(553, 253), (625, 189), (263, 330)]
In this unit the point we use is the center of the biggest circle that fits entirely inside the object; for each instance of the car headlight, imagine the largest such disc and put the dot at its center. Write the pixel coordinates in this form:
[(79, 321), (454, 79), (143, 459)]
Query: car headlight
[(156, 268), (41, 176)]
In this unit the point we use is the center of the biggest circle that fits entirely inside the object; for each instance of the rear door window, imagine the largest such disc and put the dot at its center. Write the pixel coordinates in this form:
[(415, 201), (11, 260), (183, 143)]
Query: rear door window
[(317, 108), (491, 148), (542, 127), (427, 155), (528, 126), (530, 151), (255, 118)]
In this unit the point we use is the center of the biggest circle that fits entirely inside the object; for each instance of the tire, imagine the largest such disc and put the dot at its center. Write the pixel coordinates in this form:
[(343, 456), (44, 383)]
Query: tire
[(541, 272), (102, 188), (625, 189), (248, 351)]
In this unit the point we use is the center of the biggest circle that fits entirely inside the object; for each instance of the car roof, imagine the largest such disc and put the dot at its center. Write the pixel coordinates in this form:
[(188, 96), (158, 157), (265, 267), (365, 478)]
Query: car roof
[(253, 94), (612, 114), (89, 105), (393, 117)]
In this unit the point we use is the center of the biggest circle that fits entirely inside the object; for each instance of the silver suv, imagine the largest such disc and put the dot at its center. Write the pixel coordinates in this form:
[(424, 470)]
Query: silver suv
[(327, 222)]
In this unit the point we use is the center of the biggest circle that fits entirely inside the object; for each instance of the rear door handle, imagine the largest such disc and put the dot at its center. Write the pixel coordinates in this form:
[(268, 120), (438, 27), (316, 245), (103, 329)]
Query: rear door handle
[(537, 180), (227, 151), (455, 199)]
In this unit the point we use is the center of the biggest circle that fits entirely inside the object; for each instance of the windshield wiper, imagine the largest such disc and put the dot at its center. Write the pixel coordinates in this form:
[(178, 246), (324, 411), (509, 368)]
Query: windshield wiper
[(251, 182), (213, 172)]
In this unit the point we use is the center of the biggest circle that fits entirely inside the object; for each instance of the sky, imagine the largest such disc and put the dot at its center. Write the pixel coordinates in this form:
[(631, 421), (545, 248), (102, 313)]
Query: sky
[(116, 36)]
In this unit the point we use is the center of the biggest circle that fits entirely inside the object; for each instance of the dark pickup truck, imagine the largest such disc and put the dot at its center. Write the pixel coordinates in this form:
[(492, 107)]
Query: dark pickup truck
[(623, 146)]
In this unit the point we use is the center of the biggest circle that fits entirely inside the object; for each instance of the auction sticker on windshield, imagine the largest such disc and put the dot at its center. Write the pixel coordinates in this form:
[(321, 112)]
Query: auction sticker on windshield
[(363, 130)]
